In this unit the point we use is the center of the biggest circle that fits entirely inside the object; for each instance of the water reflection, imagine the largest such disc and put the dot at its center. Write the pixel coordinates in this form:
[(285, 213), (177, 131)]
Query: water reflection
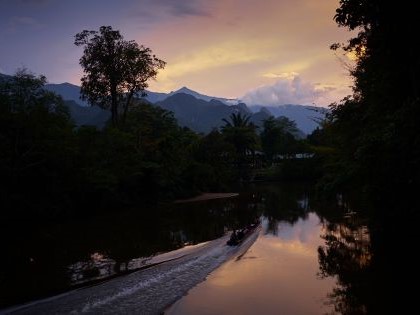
[(278, 275), (51, 257), (357, 259), (347, 254), (312, 257), (283, 203)]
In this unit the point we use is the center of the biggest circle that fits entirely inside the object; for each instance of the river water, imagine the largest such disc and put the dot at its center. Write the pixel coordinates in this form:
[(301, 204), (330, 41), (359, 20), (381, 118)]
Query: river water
[(277, 275), (175, 258)]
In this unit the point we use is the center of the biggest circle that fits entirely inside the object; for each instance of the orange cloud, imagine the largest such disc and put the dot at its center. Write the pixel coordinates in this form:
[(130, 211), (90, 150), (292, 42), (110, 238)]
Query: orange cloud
[(240, 45)]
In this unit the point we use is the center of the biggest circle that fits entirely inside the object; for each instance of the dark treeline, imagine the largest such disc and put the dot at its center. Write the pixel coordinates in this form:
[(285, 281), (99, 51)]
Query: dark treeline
[(49, 168), (370, 144), (374, 133)]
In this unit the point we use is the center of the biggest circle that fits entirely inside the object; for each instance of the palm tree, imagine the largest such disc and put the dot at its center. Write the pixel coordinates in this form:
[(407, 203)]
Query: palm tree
[(237, 120), (241, 133)]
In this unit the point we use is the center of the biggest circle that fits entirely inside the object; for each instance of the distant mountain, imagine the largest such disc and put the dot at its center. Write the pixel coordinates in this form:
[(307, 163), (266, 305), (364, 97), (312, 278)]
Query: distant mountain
[(196, 114), (197, 111), (306, 117), (259, 117), (67, 91), (202, 116), (154, 97), (4, 77), (241, 107), (88, 115), (70, 91)]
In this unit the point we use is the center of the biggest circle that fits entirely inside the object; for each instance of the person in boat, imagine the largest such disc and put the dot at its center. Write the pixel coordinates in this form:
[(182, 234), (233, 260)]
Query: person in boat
[(240, 234), (234, 239)]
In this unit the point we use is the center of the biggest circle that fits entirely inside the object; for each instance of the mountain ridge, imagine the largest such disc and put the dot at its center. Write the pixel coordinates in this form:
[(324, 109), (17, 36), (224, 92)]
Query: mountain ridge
[(199, 112)]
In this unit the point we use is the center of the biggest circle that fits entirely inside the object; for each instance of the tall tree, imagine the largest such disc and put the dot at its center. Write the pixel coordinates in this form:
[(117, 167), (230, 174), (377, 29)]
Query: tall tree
[(376, 129), (115, 70), (241, 133), (277, 136), (36, 145), (376, 133), (24, 91)]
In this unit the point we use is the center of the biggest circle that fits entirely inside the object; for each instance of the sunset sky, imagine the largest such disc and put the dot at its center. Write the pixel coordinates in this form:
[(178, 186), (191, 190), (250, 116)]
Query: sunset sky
[(269, 52)]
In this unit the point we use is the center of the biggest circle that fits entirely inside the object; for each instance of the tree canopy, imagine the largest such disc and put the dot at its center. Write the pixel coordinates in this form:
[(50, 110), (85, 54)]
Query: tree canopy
[(376, 130), (115, 70), (241, 133), (50, 169), (277, 136)]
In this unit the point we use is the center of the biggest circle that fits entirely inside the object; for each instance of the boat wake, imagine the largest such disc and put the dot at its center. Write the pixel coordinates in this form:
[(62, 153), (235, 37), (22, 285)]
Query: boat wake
[(148, 291)]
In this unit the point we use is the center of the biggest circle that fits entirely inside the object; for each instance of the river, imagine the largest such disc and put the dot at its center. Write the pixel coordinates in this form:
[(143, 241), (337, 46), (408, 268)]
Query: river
[(277, 275), (175, 259)]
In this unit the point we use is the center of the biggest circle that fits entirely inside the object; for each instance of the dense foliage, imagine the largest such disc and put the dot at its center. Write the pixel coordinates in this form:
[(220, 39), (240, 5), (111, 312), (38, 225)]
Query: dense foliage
[(36, 140), (371, 144), (241, 133), (375, 132), (277, 137), (50, 168), (115, 70)]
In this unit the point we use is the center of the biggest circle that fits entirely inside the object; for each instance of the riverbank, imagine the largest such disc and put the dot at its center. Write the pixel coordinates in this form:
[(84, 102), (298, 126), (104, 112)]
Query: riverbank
[(148, 291), (207, 196)]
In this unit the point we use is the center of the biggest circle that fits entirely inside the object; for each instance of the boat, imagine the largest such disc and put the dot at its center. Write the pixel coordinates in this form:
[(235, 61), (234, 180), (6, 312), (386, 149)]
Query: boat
[(238, 236)]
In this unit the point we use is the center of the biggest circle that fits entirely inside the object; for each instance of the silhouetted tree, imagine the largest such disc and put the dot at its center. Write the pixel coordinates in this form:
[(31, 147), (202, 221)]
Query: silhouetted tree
[(115, 69), (213, 157), (277, 136), (374, 134), (36, 145), (240, 132), (48, 168), (23, 92), (375, 130)]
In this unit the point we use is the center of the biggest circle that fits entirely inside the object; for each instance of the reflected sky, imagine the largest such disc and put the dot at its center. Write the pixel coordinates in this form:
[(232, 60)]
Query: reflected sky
[(278, 275)]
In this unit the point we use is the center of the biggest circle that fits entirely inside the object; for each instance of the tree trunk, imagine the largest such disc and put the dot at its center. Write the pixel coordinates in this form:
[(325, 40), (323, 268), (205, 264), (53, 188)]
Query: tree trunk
[(129, 97), (114, 105)]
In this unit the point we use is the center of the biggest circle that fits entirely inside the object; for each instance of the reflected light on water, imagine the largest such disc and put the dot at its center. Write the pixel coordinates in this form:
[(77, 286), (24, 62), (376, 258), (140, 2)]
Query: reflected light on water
[(294, 247), (278, 275)]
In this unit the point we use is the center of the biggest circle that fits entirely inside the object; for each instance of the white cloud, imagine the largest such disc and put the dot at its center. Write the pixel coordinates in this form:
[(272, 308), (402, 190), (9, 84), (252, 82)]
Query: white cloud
[(283, 75), (288, 89)]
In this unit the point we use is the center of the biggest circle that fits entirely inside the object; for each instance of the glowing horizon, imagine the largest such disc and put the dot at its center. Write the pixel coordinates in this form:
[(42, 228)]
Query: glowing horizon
[(268, 51)]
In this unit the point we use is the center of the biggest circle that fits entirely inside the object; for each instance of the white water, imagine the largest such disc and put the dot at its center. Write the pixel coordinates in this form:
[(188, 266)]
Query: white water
[(147, 291)]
